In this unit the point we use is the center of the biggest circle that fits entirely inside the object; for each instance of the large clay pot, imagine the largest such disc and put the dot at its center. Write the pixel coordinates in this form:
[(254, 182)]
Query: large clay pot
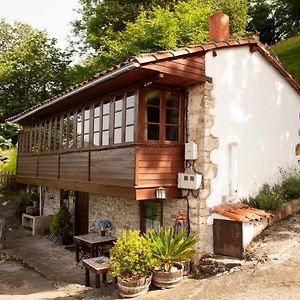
[(167, 280), (134, 287)]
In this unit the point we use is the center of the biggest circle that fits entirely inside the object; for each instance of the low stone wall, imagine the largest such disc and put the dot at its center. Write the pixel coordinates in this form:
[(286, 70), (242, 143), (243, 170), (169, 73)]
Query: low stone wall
[(287, 209)]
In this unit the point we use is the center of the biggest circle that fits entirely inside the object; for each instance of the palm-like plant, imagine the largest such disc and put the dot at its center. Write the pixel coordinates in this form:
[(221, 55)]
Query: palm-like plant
[(168, 248)]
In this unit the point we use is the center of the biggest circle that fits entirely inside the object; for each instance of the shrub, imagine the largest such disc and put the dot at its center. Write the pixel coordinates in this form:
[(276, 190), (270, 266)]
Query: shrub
[(21, 203), (61, 222), (131, 256), (291, 187), (267, 198), (169, 249)]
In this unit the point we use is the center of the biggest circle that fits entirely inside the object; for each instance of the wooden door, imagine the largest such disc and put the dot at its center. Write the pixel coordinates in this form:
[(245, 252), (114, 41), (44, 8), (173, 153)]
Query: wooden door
[(81, 213), (228, 237)]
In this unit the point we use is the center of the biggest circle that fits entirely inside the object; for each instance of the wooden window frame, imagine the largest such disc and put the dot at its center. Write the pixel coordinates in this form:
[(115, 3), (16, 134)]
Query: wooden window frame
[(34, 137), (142, 213), (142, 137)]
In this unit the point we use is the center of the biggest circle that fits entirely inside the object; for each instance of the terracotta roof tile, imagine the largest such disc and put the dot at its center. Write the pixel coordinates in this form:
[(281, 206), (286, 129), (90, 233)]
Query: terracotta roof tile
[(161, 55), (241, 212)]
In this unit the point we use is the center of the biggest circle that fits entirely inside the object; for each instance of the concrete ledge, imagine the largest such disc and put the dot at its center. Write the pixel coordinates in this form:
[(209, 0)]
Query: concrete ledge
[(286, 209), (38, 224)]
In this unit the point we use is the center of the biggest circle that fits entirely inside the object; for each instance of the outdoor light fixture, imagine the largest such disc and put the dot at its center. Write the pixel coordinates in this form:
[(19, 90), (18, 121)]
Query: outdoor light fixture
[(160, 193)]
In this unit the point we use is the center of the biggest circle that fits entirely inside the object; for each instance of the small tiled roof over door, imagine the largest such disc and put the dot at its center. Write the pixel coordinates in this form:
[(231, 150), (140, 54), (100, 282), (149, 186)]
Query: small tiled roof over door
[(243, 213)]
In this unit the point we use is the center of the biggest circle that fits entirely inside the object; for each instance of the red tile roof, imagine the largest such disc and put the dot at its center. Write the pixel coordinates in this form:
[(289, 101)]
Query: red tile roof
[(169, 54), (243, 213)]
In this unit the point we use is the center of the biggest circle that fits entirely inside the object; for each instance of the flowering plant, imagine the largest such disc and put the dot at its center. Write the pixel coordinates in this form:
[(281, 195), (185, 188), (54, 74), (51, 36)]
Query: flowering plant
[(104, 224)]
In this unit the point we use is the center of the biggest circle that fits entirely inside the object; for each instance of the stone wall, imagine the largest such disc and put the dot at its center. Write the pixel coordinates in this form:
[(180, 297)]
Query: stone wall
[(51, 201), (199, 123), (121, 212), (171, 208)]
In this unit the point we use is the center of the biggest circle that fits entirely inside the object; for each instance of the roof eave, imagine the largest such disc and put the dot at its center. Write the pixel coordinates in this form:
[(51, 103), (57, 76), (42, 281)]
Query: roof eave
[(115, 73)]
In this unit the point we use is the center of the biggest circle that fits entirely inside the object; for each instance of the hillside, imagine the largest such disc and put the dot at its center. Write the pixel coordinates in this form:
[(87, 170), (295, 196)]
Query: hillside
[(289, 53)]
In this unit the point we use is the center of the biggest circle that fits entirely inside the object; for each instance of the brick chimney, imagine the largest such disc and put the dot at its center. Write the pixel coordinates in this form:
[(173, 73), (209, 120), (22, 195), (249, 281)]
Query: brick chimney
[(218, 26)]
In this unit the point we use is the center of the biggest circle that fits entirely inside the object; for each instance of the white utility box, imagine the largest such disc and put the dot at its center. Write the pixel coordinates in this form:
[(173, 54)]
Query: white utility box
[(189, 181), (190, 151)]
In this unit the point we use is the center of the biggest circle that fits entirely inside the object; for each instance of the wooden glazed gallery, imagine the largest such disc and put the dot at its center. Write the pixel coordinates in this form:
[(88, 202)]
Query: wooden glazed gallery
[(118, 136)]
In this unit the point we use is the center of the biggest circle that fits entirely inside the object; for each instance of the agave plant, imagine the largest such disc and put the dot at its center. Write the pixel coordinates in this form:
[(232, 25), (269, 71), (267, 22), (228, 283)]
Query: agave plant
[(168, 248)]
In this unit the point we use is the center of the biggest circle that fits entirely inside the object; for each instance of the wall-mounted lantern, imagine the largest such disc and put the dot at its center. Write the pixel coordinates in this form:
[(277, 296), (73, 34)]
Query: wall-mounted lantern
[(160, 193)]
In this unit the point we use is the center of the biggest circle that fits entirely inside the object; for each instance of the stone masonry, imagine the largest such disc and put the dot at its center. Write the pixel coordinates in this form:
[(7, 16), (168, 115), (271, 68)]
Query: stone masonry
[(199, 124)]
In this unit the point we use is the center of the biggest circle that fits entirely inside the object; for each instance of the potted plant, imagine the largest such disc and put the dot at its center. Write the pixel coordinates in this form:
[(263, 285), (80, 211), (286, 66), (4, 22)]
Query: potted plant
[(169, 251), (131, 262), (61, 225), (104, 225)]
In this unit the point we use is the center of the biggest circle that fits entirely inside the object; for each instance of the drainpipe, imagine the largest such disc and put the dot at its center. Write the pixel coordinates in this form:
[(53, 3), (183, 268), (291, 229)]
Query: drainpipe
[(40, 198)]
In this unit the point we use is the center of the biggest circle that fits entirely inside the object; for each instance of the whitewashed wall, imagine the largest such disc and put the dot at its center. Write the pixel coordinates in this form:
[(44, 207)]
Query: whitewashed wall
[(256, 121)]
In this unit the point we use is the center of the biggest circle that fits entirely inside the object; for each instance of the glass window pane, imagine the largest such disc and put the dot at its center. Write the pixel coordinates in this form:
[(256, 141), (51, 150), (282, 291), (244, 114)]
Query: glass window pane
[(152, 215), (86, 113), (153, 114), (79, 141), (172, 133), (172, 100), (130, 100), (152, 132), (118, 105), (118, 119), (129, 133), (71, 130), (130, 116), (105, 138), (96, 111), (86, 140), (106, 107), (79, 128), (105, 124), (96, 124), (96, 139), (172, 116), (153, 98), (117, 136), (87, 126)]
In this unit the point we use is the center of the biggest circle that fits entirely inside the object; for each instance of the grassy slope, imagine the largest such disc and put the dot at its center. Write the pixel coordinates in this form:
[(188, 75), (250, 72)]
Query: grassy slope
[(11, 163), (289, 53)]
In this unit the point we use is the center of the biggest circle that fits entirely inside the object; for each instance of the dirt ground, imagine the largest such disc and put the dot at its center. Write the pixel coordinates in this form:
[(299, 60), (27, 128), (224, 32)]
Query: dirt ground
[(271, 270)]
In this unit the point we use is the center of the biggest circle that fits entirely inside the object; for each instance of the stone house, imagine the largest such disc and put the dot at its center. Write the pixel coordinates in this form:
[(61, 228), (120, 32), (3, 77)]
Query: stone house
[(105, 146)]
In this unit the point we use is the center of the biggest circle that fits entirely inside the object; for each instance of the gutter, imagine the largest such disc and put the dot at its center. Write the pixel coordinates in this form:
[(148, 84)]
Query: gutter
[(100, 80)]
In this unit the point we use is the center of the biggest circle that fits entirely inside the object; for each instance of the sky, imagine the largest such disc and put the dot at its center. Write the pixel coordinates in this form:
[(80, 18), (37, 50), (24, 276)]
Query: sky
[(53, 16)]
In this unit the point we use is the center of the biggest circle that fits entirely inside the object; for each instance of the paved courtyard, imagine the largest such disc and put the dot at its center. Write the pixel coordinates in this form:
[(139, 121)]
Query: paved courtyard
[(37, 268)]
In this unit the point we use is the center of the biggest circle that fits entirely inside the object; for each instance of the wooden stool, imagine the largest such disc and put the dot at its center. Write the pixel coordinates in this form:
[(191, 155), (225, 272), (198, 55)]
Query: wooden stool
[(97, 265)]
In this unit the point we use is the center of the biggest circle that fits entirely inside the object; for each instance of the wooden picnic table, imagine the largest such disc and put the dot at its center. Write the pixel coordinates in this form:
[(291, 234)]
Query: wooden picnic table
[(91, 241)]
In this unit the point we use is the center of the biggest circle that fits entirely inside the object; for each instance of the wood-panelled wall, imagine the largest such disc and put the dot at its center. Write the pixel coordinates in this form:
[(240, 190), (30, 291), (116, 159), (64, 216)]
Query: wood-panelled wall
[(133, 172), (158, 166)]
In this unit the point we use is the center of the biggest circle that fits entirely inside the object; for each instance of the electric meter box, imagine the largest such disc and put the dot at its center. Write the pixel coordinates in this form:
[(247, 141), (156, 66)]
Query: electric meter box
[(190, 151), (189, 181)]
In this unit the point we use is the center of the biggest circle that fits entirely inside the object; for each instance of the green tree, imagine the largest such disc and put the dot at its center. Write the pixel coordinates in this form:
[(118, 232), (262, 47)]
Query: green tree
[(163, 25), (261, 19), (32, 69), (287, 18)]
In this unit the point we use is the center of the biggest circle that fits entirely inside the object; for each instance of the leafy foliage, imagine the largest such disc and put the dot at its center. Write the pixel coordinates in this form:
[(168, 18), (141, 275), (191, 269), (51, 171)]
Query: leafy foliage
[(32, 69), (168, 248), (131, 255), (147, 26), (272, 197), (61, 222), (22, 202)]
